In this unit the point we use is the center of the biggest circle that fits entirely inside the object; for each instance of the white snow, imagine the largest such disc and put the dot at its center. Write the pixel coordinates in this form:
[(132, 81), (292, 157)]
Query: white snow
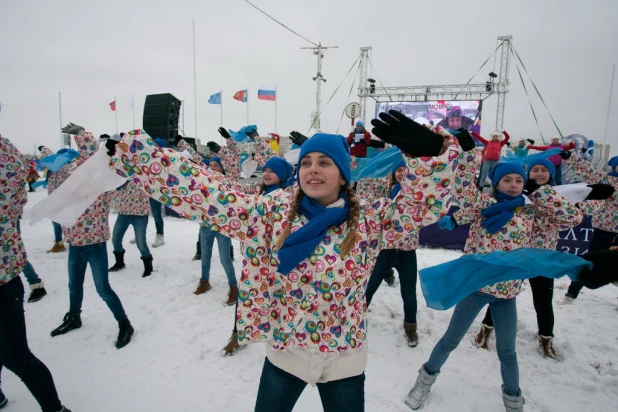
[(172, 364)]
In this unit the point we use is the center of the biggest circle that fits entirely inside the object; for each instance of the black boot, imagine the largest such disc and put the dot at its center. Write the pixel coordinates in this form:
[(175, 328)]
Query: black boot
[(198, 253), (232, 252), (390, 279), (124, 334), (71, 321), (147, 266), (119, 265)]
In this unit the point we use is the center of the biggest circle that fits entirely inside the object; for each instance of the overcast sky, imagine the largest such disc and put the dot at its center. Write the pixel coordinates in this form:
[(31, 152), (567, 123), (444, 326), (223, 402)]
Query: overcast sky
[(91, 51)]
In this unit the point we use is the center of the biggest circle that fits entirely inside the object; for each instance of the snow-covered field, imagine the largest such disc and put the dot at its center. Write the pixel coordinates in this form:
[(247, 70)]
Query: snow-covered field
[(172, 364)]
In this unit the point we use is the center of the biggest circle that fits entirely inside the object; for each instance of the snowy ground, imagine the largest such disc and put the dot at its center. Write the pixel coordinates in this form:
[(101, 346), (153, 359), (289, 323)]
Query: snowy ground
[(172, 364)]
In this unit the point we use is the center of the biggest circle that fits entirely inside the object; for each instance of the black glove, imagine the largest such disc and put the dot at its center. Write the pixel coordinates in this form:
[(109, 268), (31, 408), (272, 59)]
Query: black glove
[(72, 128), (104, 136), (530, 141), (110, 145), (604, 270), (377, 144), (213, 146), (565, 154), (410, 137), (465, 140), (297, 138), (508, 144), (40, 147), (252, 134), (600, 191), (531, 186), (224, 133)]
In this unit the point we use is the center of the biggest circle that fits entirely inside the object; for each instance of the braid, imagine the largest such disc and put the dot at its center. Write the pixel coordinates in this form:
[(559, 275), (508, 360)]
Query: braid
[(350, 238), (290, 218), (392, 183)]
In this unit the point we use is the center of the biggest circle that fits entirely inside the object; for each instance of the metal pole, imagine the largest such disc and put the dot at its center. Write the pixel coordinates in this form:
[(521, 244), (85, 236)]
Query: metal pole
[(221, 107), (319, 81), (247, 106), (116, 112), (609, 105), (275, 108), (194, 80), (182, 104), (60, 112), (133, 106)]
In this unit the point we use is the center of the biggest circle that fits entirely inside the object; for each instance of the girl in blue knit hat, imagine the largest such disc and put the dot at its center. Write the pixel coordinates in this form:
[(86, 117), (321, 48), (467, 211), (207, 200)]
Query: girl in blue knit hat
[(542, 171), (504, 220), (307, 257)]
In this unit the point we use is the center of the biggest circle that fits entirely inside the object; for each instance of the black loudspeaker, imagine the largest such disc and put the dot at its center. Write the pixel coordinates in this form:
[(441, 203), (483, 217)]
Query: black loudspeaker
[(161, 113)]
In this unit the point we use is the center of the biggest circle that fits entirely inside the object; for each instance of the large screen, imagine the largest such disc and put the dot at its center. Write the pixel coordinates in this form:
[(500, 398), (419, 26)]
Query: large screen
[(450, 115)]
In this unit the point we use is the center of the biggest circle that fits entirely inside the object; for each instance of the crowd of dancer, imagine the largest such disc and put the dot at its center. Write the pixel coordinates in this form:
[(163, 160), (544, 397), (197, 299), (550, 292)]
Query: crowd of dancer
[(316, 245)]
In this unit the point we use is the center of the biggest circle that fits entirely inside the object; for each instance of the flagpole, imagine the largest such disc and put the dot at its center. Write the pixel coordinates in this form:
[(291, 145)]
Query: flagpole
[(60, 113), (221, 100), (133, 105), (247, 106), (194, 80), (275, 108), (116, 112)]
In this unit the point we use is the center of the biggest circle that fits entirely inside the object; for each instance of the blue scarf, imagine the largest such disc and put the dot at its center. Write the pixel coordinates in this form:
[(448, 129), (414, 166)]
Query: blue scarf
[(614, 174), (396, 188), (270, 188), (301, 244), (499, 214)]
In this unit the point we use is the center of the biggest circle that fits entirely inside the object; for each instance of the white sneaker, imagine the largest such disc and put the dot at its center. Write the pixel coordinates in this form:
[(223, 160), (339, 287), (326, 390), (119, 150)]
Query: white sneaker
[(133, 241), (159, 241)]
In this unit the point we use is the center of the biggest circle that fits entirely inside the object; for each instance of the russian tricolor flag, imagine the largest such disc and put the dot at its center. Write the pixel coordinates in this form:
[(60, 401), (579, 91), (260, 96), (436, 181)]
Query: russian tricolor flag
[(267, 93)]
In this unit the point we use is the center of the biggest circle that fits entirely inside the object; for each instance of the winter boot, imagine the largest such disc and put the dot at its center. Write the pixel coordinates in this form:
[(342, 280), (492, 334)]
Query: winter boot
[(419, 392), (546, 345), (159, 241), (232, 296), (119, 265), (58, 247), (483, 336), (410, 330), (147, 266), (232, 252), (37, 292), (125, 331), (232, 346), (202, 287), (390, 279), (198, 252), (71, 321), (3, 400), (513, 403)]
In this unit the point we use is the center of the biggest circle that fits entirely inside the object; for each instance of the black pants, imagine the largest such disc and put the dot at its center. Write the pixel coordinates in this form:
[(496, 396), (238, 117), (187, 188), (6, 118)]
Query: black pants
[(542, 295), (601, 240), (14, 351)]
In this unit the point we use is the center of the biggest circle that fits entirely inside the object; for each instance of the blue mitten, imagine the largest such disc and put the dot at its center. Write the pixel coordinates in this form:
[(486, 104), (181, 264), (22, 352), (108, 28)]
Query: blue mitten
[(447, 222)]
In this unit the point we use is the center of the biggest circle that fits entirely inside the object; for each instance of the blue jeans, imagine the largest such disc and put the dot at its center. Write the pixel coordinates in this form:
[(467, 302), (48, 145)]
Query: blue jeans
[(29, 271), (96, 256), (157, 214), (279, 391), (504, 314), (207, 239), (57, 232), (139, 226), (14, 351), (405, 263), (485, 169)]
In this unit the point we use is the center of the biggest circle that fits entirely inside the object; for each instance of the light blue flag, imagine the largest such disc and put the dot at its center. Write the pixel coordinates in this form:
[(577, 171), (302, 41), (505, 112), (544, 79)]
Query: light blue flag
[(446, 284), (56, 161), (377, 166), (215, 98)]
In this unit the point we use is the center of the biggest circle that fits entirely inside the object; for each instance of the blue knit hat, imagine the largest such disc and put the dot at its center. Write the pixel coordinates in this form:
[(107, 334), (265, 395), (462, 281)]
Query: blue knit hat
[(218, 160), (549, 165), (160, 142), (334, 146), (502, 169), (360, 123), (397, 166), (281, 168)]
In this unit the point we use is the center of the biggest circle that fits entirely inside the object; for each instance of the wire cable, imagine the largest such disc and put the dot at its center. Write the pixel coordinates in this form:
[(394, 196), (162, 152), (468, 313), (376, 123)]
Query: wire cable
[(272, 18), (349, 94)]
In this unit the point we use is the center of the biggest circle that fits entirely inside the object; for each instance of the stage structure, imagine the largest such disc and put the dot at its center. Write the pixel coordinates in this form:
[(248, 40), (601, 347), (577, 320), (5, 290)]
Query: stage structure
[(496, 84)]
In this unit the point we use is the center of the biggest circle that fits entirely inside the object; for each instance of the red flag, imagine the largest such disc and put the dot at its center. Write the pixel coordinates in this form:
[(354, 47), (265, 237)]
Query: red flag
[(241, 96), (112, 106)]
